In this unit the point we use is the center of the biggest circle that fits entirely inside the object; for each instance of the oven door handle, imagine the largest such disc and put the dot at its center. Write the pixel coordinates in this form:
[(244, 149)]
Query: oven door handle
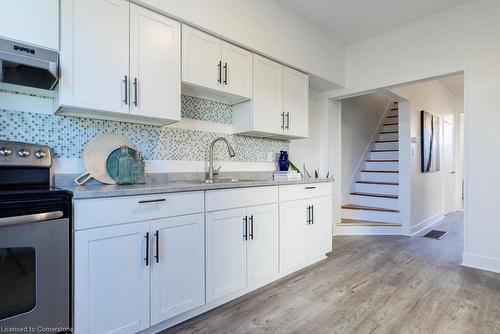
[(37, 217)]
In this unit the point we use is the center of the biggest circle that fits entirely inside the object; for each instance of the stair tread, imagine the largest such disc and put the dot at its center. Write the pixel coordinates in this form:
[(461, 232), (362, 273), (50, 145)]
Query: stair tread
[(357, 222), (374, 195), (394, 109), (382, 160), (379, 182), (385, 150), (390, 124), (387, 132), (368, 208), (387, 141), (392, 116), (379, 171)]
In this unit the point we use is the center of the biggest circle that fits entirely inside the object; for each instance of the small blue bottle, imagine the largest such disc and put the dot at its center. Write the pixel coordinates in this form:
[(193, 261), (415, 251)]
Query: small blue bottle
[(283, 162)]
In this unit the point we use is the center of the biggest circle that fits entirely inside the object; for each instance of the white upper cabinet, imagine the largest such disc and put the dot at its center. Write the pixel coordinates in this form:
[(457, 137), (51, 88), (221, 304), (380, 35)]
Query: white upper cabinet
[(214, 69), (119, 61), (95, 55), (296, 103), (279, 107), (237, 75), (31, 21), (201, 58), (268, 96), (154, 64)]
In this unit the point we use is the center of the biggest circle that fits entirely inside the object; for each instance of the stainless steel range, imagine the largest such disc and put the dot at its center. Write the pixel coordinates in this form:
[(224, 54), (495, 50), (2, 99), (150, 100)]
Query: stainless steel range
[(35, 241)]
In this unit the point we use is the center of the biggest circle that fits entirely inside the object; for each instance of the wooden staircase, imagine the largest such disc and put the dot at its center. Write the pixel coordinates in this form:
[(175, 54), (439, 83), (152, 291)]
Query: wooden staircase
[(375, 199)]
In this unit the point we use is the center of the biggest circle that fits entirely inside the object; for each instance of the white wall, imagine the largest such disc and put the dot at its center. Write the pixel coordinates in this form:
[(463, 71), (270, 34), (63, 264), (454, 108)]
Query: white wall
[(464, 38), (427, 190), (266, 27), (361, 116), (313, 151)]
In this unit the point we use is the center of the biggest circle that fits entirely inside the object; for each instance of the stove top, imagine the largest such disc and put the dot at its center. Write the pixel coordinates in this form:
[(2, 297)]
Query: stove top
[(25, 176)]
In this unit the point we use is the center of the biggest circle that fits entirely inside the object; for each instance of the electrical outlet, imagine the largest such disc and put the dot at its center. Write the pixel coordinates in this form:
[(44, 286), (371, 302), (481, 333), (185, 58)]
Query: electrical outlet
[(270, 156)]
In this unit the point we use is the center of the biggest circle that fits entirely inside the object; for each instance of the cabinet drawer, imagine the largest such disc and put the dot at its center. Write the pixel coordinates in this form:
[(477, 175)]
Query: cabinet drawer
[(240, 197), (304, 191), (100, 212)]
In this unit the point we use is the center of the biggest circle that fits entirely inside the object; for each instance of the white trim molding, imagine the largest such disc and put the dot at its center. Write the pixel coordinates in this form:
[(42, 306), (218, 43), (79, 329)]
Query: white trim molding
[(481, 262), (425, 224)]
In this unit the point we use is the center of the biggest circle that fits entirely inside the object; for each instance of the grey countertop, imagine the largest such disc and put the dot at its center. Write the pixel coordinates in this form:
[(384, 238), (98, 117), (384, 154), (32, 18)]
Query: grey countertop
[(164, 183)]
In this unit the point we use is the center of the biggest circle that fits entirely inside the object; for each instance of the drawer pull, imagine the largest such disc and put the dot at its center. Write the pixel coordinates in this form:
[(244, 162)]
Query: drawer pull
[(310, 188), (146, 201)]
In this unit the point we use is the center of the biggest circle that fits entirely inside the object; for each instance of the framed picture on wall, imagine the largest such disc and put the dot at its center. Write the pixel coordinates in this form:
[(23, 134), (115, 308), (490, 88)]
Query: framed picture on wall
[(429, 125)]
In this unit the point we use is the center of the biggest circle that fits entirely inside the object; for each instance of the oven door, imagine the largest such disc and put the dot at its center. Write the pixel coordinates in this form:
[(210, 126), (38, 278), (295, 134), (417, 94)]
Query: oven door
[(34, 272)]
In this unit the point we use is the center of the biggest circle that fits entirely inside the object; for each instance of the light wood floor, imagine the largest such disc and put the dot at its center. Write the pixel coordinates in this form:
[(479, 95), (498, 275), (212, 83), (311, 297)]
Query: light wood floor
[(371, 284)]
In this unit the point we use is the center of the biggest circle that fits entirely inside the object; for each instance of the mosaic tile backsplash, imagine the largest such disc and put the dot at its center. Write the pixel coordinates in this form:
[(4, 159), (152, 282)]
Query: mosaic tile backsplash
[(68, 135)]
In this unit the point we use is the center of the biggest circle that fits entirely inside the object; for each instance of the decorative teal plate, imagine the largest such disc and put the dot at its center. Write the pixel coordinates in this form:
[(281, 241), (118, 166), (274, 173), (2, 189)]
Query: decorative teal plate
[(112, 162)]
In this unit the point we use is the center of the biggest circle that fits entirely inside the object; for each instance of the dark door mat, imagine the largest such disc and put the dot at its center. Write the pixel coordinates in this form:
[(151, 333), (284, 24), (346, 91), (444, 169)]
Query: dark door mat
[(435, 234)]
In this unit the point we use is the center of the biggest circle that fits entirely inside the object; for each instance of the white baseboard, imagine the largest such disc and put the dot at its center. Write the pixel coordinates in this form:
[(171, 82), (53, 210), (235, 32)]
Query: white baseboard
[(481, 262), (424, 224)]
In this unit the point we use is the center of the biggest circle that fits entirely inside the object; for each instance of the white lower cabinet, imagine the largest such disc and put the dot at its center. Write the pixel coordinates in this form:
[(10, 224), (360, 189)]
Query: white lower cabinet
[(131, 276), (111, 280), (241, 249), (163, 258), (262, 246), (178, 263), (305, 232), (226, 252)]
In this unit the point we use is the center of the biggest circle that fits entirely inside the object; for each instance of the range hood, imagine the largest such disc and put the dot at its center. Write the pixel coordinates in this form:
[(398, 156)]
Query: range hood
[(25, 65)]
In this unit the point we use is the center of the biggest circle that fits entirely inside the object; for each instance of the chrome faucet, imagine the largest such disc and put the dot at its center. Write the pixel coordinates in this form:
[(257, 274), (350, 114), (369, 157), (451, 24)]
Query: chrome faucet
[(211, 155)]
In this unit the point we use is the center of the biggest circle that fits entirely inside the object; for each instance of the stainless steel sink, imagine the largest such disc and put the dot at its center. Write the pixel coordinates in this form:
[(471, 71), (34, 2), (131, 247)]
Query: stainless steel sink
[(220, 180)]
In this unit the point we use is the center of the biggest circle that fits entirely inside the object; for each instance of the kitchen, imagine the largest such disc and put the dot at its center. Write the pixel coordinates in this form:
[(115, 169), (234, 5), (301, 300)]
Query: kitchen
[(187, 200)]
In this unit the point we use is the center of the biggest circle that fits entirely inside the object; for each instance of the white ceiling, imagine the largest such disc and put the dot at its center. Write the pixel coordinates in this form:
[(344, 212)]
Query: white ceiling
[(454, 83), (353, 20)]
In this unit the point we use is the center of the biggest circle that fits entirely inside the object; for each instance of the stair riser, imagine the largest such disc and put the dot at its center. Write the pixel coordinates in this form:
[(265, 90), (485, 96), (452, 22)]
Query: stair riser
[(390, 127), (380, 177), (377, 202), (376, 189), (384, 155), (382, 165), (386, 146), (393, 113), (388, 136), (388, 217)]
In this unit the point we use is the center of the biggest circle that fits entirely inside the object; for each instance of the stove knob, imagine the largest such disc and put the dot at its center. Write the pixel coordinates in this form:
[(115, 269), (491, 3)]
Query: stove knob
[(23, 153), (5, 151), (40, 154)]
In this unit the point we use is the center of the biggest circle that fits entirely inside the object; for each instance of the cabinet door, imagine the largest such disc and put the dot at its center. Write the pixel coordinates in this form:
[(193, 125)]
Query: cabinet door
[(155, 62), (225, 253), (319, 233), (296, 103), (95, 54), (31, 21), (178, 266), (262, 251), (293, 237), (201, 57), (237, 65), (267, 96), (111, 279)]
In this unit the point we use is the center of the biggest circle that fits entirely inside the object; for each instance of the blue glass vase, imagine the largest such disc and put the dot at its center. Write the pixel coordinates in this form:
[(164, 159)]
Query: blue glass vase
[(283, 162)]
